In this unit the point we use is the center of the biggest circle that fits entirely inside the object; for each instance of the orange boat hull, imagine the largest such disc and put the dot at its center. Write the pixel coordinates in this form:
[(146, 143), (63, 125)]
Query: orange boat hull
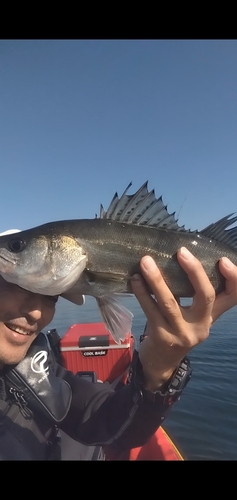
[(90, 347)]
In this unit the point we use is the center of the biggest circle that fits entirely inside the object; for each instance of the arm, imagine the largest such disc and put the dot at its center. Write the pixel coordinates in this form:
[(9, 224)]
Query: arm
[(172, 330), (124, 419)]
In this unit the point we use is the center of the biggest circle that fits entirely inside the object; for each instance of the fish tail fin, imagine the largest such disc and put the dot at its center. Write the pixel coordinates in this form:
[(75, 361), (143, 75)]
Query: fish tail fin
[(116, 317)]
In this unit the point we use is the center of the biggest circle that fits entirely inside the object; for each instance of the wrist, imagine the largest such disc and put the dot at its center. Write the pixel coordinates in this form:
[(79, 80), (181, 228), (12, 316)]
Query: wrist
[(154, 380), (170, 391), (158, 365)]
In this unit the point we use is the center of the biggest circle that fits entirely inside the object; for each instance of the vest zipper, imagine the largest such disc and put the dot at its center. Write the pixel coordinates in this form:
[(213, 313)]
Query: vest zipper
[(21, 402)]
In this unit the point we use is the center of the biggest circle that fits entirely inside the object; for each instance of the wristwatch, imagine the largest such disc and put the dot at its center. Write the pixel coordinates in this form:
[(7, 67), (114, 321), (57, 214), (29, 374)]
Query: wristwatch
[(171, 390)]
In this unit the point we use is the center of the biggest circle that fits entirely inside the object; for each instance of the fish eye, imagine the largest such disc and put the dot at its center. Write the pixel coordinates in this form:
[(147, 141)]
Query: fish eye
[(16, 245)]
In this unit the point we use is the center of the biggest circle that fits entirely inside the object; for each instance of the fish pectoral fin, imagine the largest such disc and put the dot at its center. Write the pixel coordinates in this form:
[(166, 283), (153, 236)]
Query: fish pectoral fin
[(117, 318), (76, 298)]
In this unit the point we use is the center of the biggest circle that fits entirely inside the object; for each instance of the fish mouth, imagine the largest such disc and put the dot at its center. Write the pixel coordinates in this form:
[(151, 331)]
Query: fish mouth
[(19, 329), (7, 258), (6, 264)]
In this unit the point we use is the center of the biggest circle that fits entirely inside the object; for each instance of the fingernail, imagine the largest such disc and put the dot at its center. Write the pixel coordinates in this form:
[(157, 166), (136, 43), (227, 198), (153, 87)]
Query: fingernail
[(185, 253), (148, 264), (228, 263)]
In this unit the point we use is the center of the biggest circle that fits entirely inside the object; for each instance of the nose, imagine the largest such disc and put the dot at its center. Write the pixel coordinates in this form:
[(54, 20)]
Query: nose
[(32, 307)]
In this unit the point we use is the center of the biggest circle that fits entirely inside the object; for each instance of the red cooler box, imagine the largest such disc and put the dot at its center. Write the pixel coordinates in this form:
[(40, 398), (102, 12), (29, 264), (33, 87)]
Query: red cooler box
[(90, 347)]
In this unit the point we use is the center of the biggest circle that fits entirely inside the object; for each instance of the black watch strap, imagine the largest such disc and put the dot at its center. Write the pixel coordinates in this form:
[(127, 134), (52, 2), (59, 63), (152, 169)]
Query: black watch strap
[(172, 390)]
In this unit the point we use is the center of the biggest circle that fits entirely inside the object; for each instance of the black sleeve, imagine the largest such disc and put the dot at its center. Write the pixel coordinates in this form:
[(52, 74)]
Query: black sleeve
[(99, 415)]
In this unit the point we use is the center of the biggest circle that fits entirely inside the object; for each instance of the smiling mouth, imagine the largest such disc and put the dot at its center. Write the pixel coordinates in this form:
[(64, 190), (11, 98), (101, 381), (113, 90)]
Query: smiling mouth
[(19, 329)]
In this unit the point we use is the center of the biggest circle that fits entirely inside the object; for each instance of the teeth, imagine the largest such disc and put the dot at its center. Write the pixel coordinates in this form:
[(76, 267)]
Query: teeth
[(18, 330)]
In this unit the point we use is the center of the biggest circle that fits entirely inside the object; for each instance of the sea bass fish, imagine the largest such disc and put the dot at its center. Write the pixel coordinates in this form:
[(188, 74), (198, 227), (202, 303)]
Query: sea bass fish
[(98, 256)]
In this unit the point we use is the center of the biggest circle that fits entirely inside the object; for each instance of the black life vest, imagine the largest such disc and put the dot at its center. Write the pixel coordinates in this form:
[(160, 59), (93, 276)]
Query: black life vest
[(35, 404)]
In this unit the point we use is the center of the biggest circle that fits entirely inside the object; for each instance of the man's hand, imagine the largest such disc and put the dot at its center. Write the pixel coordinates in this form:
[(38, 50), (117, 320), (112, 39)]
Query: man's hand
[(173, 330)]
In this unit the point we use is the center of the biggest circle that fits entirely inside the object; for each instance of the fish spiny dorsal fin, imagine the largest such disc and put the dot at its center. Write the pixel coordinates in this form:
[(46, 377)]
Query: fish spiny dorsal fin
[(102, 212), (133, 201), (116, 206), (141, 208), (122, 204), (164, 219), (218, 231), (140, 214), (113, 203)]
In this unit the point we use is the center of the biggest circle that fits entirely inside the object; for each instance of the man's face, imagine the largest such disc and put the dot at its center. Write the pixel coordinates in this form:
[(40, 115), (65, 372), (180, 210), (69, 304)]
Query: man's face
[(22, 316)]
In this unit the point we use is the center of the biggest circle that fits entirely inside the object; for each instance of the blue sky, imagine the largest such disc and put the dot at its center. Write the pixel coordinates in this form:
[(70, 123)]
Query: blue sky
[(80, 119)]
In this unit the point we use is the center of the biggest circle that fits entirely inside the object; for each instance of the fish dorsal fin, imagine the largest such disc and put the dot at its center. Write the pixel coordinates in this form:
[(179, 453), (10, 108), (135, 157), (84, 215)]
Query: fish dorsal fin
[(116, 206), (218, 231), (141, 208)]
